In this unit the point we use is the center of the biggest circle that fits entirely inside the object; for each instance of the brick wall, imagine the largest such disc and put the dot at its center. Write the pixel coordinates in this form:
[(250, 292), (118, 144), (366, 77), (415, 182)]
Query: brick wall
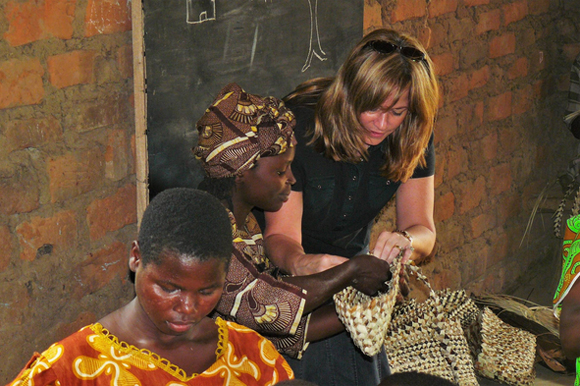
[(504, 67), (67, 179)]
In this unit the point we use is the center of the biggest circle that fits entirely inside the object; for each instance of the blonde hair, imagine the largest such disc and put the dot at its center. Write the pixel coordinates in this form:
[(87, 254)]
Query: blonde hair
[(365, 80)]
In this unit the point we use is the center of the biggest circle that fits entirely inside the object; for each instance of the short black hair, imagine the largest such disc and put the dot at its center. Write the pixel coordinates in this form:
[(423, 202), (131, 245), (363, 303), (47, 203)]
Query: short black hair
[(415, 378), (186, 221)]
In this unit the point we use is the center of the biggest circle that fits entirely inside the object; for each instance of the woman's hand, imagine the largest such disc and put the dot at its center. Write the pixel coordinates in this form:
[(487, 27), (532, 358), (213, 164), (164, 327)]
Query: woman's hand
[(390, 244), (371, 274)]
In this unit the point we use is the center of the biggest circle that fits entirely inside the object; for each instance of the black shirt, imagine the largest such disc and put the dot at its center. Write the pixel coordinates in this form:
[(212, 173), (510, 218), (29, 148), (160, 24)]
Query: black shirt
[(341, 199)]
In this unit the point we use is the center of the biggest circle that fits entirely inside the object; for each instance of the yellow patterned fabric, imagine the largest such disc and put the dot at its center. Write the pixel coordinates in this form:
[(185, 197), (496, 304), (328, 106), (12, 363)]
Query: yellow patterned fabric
[(92, 356)]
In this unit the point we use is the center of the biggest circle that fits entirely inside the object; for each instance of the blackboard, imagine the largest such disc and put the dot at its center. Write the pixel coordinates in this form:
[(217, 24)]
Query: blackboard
[(194, 48)]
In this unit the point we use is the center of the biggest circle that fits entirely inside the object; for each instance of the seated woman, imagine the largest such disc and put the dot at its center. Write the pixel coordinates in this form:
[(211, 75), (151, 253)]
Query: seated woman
[(246, 145), (163, 336)]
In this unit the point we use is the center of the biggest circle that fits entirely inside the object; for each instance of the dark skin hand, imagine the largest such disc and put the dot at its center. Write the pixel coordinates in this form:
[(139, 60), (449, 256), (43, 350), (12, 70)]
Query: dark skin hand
[(575, 127), (570, 323), (366, 273), (323, 323)]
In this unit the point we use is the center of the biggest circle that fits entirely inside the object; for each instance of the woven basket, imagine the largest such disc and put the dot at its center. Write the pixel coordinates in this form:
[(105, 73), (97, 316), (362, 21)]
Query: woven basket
[(428, 336), (366, 318), (503, 352)]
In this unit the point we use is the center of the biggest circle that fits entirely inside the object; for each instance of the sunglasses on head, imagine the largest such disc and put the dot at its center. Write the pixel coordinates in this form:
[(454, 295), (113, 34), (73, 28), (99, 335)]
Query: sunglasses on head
[(388, 48)]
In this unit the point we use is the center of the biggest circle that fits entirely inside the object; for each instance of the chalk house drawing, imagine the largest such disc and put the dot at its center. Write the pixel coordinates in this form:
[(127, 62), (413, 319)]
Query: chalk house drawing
[(199, 11)]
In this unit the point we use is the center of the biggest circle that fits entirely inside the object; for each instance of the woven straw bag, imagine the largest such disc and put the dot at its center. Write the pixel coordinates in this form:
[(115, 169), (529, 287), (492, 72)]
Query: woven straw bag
[(366, 318), (428, 336), (502, 352)]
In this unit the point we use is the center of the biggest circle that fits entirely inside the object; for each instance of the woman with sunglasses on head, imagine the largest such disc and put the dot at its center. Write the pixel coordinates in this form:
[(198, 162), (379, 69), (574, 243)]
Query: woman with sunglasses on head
[(362, 137)]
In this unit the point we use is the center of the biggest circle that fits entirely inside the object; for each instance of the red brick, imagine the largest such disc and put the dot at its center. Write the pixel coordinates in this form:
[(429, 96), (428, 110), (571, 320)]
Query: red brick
[(538, 7), (51, 235), (500, 107), (19, 189), (499, 249), (509, 139), (571, 51), (7, 247), (445, 128), (489, 145), (14, 304), (537, 62), (444, 207), (488, 21), (478, 112), (515, 11), (21, 134), (458, 87), (34, 20), (508, 207), (523, 100), (440, 166), (472, 192), (424, 36), (117, 155), (502, 45), (75, 173), (441, 7), (471, 3), (501, 179), (133, 154), (519, 68), (479, 78), (21, 82), (444, 64), (99, 268), (408, 9), (372, 16), (76, 67), (65, 329), (107, 17), (482, 223), (457, 162), (112, 213), (106, 111), (125, 61)]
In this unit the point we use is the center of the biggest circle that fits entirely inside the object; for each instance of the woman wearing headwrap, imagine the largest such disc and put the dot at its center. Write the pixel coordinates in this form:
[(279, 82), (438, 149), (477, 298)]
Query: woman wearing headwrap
[(567, 297), (246, 145)]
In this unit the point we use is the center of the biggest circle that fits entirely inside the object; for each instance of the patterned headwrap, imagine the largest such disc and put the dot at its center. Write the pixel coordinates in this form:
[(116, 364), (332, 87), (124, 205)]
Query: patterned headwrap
[(239, 128)]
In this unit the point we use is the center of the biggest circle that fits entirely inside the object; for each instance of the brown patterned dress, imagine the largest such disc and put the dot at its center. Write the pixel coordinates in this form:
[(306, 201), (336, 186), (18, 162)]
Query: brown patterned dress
[(255, 297)]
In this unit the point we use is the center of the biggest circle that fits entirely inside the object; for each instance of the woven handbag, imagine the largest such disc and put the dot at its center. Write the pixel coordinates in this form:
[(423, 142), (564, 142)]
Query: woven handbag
[(502, 352), (366, 318), (428, 336)]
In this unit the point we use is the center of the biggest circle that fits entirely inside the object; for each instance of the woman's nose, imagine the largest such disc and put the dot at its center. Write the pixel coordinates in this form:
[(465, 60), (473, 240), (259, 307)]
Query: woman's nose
[(382, 121), (291, 180), (186, 304)]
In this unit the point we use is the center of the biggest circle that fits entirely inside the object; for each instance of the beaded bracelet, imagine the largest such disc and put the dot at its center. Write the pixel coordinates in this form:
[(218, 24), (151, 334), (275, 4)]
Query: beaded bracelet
[(406, 235)]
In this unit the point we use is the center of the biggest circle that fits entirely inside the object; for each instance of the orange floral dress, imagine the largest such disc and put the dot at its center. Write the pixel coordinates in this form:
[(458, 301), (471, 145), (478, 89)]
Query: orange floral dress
[(92, 356)]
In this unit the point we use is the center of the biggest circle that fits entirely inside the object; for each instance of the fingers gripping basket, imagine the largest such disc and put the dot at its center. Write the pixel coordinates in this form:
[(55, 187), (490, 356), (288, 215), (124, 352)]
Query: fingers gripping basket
[(366, 318)]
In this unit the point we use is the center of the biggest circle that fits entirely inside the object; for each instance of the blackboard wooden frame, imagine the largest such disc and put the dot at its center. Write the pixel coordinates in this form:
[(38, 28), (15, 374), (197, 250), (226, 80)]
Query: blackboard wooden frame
[(327, 50)]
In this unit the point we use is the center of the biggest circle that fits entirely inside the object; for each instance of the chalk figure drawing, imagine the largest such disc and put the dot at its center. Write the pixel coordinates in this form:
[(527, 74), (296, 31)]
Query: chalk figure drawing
[(199, 11)]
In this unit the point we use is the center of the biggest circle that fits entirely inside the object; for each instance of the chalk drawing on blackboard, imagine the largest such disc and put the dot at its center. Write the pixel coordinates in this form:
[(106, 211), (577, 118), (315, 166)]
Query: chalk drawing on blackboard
[(314, 30), (197, 11)]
